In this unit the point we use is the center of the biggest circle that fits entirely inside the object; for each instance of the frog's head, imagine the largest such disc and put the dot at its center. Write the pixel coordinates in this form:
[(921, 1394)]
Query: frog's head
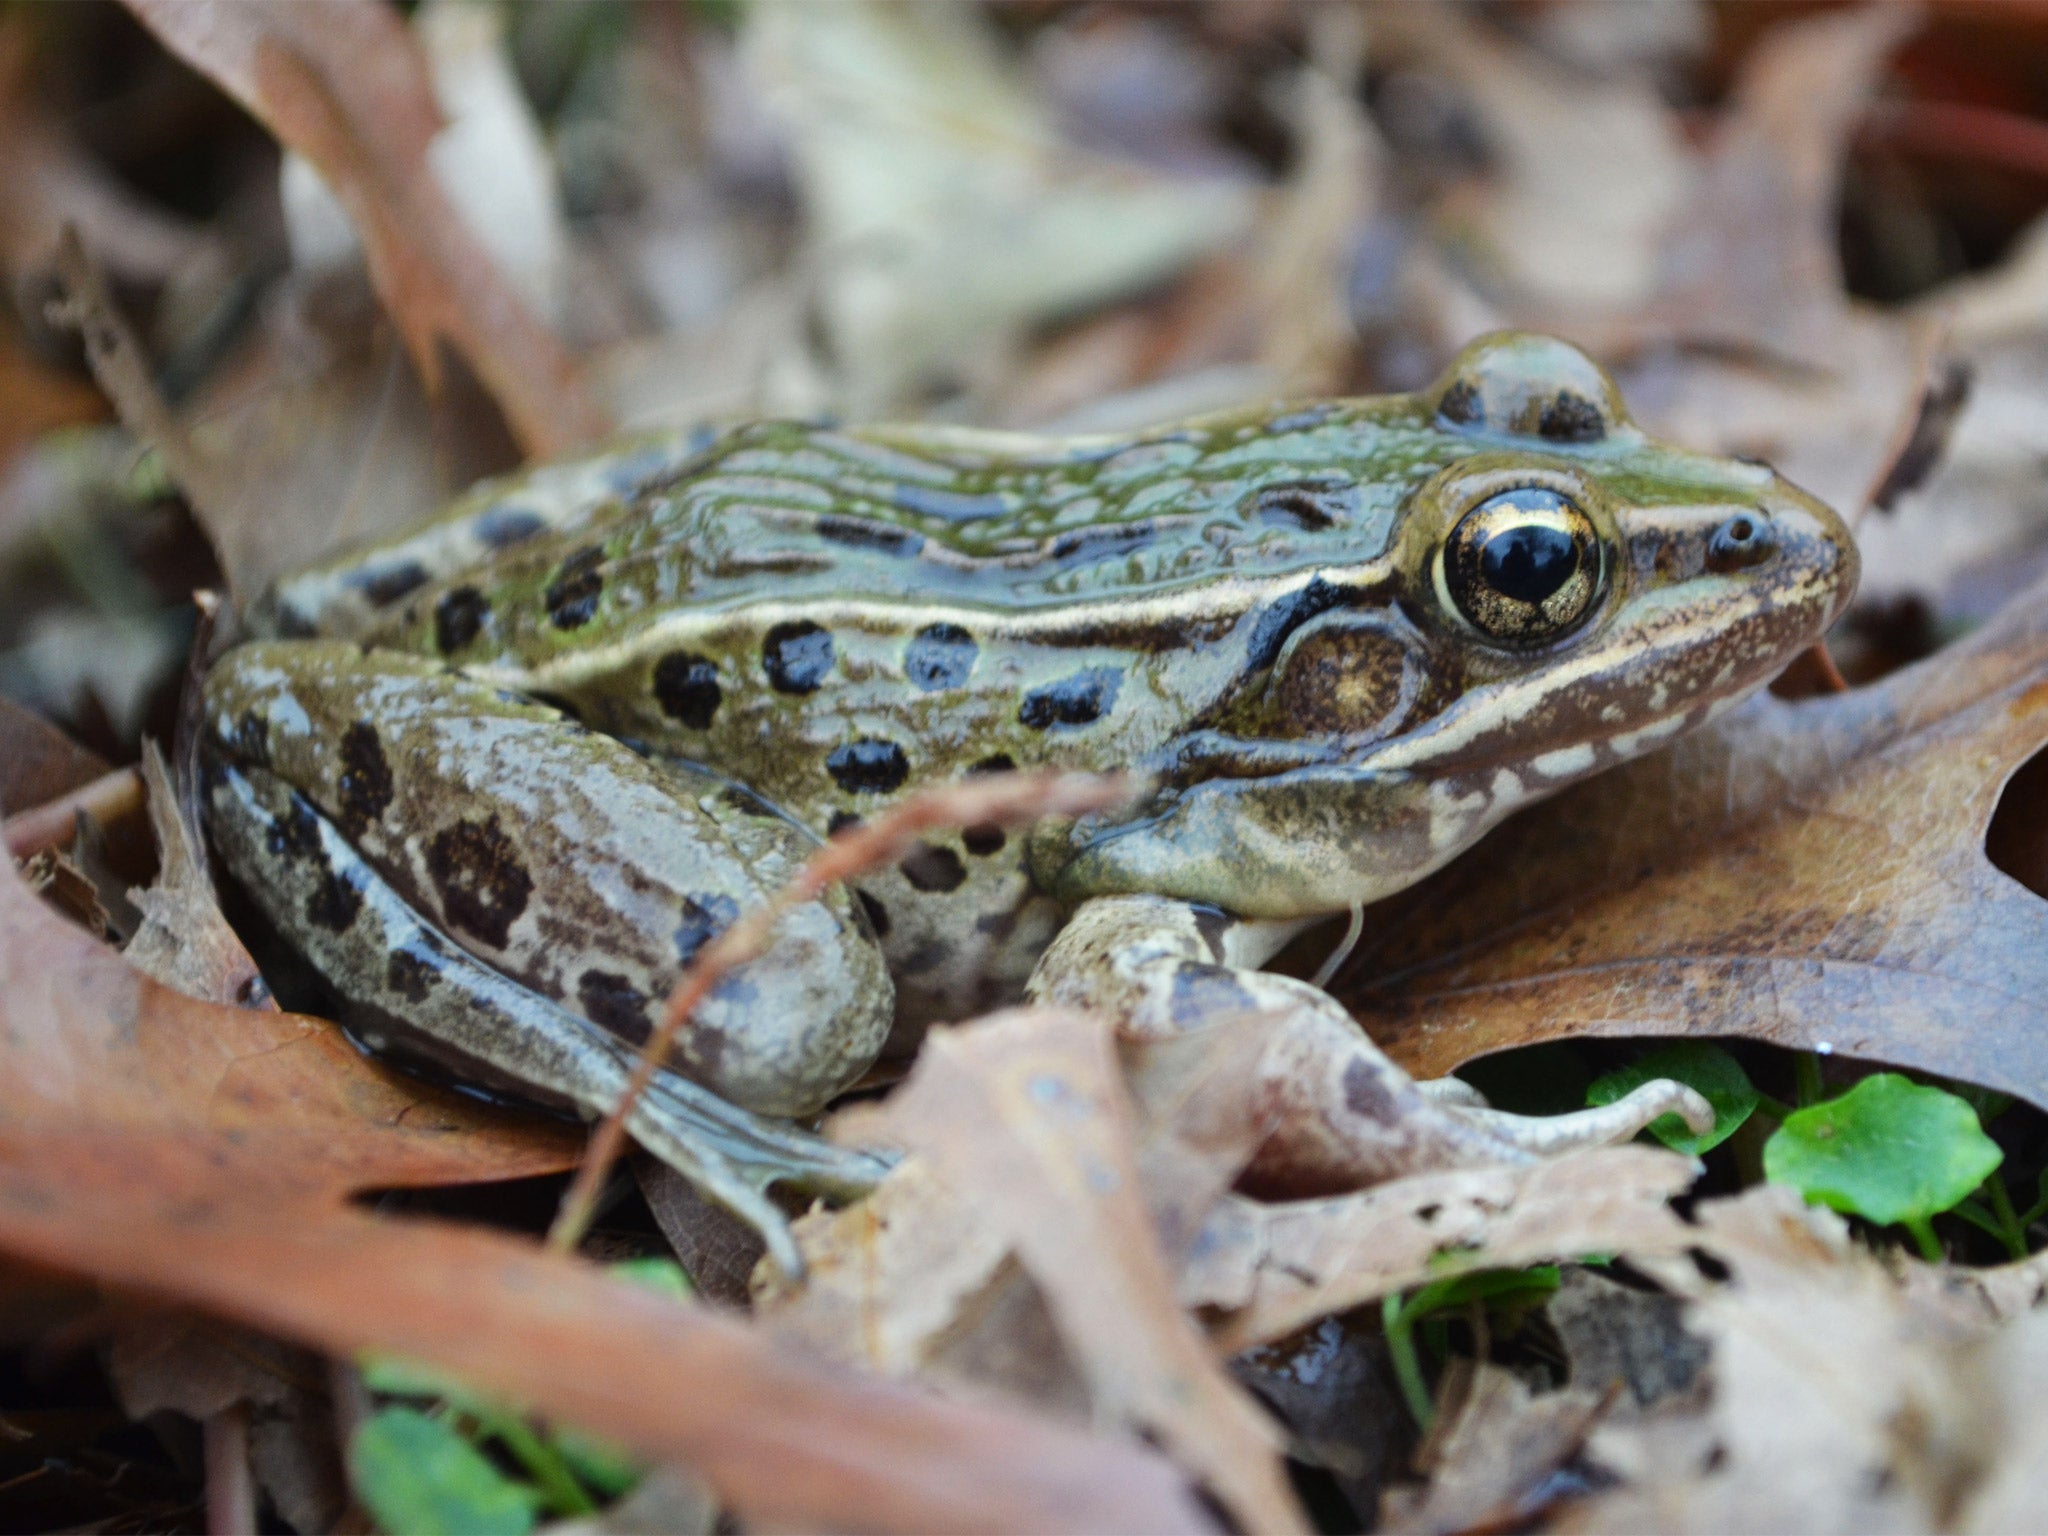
[(1561, 593)]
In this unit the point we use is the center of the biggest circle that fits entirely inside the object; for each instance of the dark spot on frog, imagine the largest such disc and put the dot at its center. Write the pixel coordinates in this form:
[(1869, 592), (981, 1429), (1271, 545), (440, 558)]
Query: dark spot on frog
[(364, 789), (931, 867), (250, 742), (1104, 543), (613, 1002), (297, 834), (1207, 994), (983, 839), (1307, 507), (869, 766), (1570, 418), (862, 533), (500, 526), (334, 903), (1460, 405), (797, 656), (572, 597), (878, 915), (384, 585), (1211, 923), (1000, 762), (686, 688), (997, 925), (1284, 615), (705, 1044), (1366, 1094), (704, 918), (1078, 700), (411, 976), (840, 822), (483, 886), (459, 618), (928, 956), (939, 656)]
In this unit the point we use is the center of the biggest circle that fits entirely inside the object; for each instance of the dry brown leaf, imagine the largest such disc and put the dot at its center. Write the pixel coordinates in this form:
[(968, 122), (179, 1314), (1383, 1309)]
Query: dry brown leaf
[(1809, 874), (1023, 1114), (344, 84), (38, 762), (1839, 1403), (201, 1154), (1753, 266), (1489, 1462), (1272, 1268), (184, 941)]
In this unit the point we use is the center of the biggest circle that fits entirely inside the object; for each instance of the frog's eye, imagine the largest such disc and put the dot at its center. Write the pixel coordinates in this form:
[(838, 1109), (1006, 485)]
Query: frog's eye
[(1523, 567)]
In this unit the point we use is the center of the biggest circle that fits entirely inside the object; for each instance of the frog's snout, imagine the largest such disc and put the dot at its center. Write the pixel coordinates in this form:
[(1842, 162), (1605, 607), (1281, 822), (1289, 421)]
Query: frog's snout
[(1808, 538)]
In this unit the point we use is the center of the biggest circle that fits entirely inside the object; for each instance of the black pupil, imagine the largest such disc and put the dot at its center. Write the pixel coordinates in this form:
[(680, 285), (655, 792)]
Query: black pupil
[(1528, 562)]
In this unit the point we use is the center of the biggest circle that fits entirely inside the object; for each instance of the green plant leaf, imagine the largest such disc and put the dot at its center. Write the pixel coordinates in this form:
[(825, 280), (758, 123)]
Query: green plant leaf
[(663, 1275), (1708, 1070), (1888, 1150), (418, 1477)]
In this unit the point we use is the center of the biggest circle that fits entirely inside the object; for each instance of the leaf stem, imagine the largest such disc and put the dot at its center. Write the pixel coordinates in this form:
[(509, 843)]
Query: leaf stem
[(1922, 1228), (1399, 1322), (1807, 1086), (2013, 1232)]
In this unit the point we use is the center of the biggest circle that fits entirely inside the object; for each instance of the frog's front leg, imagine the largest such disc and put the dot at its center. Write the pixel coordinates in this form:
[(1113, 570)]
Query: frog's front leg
[(468, 867), (1344, 1116)]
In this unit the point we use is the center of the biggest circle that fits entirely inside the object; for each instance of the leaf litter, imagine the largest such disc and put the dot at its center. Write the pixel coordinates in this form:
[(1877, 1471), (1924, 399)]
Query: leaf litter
[(1058, 1271)]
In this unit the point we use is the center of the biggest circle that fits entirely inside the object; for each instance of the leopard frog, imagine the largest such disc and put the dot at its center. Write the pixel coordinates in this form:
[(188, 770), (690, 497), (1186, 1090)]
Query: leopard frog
[(498, 780)]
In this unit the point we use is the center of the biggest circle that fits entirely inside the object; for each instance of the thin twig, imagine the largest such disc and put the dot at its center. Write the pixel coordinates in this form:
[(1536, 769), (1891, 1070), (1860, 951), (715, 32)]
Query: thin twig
[(1006, 799)]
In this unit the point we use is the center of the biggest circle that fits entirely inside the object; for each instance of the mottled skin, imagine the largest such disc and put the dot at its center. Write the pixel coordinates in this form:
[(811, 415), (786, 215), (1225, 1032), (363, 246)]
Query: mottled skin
[(1283, 614)]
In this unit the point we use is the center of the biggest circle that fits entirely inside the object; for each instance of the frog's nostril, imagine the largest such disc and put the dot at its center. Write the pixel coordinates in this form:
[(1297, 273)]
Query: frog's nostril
[(1744, 540)]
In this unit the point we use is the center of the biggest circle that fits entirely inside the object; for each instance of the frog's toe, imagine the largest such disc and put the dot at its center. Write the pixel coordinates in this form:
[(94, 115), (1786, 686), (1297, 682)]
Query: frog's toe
[(1551, 1135), (1451, 1091)]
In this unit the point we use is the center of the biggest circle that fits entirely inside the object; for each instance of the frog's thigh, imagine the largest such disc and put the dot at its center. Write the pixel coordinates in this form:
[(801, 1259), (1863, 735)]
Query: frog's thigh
[(562, 860), (1344, 1115)]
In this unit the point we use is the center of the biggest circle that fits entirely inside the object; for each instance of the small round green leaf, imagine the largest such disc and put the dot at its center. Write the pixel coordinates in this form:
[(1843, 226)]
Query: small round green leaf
[(418, 1477), (1706, 1069), (1888, 1150)]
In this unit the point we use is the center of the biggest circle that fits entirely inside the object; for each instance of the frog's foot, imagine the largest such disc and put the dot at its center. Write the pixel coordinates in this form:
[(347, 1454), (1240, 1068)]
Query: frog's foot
[(1552, 1135), (403, 982), (1344, 1116)]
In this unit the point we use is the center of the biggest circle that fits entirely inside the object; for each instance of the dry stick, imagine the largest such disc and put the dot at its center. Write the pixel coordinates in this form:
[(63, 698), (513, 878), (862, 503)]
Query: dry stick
[(1004, 799)]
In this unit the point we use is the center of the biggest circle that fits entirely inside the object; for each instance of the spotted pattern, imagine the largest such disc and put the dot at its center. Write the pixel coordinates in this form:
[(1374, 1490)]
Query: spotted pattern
[(612, 1001), (384, 585), (869, 766), (878, 915), (572, 597), (983, 839), (686, 687), (1570, 418), (501, 526), (704, 918), (797, 656), (459, 618), (364, 789), (933, 867), (1078, 700), (410, 976), (482, 884), (939, 656)]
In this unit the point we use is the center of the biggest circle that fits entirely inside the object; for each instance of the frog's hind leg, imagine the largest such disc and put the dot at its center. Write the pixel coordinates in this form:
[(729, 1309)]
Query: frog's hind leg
[(470, 870), (1344, 1116)]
